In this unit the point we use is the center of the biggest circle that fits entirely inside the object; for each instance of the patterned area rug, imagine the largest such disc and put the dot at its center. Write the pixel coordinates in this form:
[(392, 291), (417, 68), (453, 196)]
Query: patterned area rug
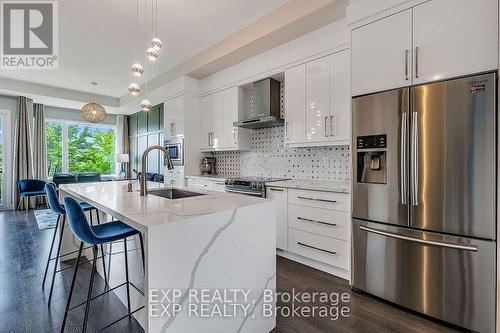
[(45, 218)]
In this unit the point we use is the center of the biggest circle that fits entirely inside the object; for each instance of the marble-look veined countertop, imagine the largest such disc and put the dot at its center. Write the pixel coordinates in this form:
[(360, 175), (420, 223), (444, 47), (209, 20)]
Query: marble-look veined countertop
[(314, 185), (142, 212)]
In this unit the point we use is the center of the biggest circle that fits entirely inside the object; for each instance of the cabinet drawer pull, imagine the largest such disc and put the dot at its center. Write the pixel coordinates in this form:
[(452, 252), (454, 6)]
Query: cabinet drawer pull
[(326, 119), (331, 126), (316, 248), (316, 221), (276, 189), (316, 199)]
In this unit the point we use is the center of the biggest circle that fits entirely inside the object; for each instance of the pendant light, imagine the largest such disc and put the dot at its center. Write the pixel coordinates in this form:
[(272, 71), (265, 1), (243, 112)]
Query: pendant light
[(134, 89), (137, 68), (145, 103), (151, 52), (156, 42), (94, 112)]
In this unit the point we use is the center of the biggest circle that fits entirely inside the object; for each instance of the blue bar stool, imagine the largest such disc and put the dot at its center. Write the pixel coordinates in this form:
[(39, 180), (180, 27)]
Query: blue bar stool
[(60, 210), (96, 235)]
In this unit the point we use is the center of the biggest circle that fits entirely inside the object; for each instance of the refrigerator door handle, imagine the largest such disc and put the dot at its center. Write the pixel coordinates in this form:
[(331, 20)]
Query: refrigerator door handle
[(472, 248), (403, 161), (414, 159)]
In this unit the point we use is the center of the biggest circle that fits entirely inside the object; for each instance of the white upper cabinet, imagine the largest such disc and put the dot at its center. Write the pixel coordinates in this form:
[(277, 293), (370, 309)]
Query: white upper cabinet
[(318, 102), (340, 98), (217, 130), (381, 54), (436, 40), (206, 123), (454, 38), (295, 103), (317, 106), (174, 117)]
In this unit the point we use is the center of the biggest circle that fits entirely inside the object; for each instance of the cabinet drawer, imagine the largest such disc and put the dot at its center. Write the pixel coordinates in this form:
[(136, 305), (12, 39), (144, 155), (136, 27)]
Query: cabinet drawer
[(324, 249), (320, 221), (319, 199)]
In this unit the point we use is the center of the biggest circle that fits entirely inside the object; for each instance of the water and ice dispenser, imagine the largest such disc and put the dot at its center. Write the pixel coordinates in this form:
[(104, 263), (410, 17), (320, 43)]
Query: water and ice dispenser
[(372, 159)]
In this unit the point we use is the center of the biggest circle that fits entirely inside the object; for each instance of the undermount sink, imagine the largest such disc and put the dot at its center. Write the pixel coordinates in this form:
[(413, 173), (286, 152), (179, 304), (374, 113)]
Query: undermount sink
[(173, 193)]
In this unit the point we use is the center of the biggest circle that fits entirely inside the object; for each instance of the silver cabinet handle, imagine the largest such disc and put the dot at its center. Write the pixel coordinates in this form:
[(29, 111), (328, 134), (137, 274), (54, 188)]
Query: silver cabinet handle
[(316, 199), (286, 130), (316, 221), (326, 119), (472, 248), (404, 159), (407, 52), (416, 61), (208, 136), (276, 189), (331, 126), (234, 135), (316, 248), (414, 159)]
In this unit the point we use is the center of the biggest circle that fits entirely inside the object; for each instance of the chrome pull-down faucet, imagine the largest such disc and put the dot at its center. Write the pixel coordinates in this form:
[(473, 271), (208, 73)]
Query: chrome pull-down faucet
[(142, 174)]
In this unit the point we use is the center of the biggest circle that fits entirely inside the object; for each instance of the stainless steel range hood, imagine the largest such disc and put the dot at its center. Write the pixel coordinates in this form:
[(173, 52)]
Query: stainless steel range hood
[(266, 106)]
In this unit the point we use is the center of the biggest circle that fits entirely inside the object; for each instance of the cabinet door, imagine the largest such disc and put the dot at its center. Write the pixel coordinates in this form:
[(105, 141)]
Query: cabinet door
[(218, 119), (339, 123), (279, 196), (154, 156), (317, 99), (454, 38), (174, 117), (206, 116), (153, 119), (295, 104), (230, 116), (381, 53)]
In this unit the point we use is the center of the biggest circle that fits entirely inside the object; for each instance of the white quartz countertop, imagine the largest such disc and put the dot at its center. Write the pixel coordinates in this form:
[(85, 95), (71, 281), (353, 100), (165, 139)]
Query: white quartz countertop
[(314, 185), (142, 212)]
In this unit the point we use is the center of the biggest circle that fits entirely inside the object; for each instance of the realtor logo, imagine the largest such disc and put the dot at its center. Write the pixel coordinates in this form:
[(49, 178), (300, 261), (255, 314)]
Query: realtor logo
[(29, 35)]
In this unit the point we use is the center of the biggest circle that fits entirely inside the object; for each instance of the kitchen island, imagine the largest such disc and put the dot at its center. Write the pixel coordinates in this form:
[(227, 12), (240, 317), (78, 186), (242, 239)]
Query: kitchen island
[(209, 259)]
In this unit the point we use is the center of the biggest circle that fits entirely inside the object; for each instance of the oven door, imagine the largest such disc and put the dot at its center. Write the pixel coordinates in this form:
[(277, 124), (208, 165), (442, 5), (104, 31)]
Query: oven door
[(175, 151)]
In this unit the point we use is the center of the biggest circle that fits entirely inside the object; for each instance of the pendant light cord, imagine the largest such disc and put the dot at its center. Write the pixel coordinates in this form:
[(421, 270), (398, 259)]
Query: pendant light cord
[(136, 3)]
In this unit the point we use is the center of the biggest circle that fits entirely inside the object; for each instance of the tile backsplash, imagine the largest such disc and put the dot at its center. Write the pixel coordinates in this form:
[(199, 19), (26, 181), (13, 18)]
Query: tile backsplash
[(269, 157)]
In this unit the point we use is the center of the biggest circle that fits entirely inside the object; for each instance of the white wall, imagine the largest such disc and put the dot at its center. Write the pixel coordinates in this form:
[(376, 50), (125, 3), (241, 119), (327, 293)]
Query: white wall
[(320, 42)]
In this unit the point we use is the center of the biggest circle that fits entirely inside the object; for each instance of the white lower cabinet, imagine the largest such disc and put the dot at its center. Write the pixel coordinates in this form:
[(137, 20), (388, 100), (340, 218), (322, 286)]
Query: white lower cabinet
[(279, 196), (206, 183), (320, 248), (315, 225)]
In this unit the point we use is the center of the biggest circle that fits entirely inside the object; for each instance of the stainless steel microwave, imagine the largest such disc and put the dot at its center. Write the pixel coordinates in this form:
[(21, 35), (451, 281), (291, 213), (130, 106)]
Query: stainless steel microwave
[(175, 148)]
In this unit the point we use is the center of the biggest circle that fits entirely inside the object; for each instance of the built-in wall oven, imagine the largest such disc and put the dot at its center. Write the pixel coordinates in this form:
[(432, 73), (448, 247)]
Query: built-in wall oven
[(175, 148)]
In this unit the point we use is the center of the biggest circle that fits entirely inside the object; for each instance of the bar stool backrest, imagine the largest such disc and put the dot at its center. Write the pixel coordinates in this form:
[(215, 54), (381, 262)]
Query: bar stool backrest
[(78, 222), (53, 200)]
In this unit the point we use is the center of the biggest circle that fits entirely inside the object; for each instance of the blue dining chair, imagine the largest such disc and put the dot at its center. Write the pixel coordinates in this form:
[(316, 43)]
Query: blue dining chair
[(96, 235), (59, 209), (30, 188)]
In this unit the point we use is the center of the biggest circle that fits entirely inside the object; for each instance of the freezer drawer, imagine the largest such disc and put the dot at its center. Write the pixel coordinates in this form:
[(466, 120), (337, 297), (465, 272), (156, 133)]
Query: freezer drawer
[(446, 277)]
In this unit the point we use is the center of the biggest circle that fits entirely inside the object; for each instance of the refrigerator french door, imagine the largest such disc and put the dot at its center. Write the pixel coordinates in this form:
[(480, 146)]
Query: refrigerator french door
[(424, 199)]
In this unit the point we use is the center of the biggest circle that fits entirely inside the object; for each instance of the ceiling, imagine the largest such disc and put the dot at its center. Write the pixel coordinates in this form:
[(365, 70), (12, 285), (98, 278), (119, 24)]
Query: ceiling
[(97, 39)]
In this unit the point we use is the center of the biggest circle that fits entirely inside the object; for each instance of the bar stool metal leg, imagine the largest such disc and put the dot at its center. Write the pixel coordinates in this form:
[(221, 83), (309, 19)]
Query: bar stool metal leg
[(57, 257), (89, 294), (68, 303), (142, 253), (50, 251), (126, 275), (102, 255)]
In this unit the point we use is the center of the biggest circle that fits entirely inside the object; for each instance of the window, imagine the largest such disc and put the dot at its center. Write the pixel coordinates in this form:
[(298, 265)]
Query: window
[(79, 148), (53, 132)]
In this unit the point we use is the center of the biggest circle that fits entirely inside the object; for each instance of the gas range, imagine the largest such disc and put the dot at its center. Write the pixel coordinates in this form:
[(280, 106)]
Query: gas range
[(254, 186)]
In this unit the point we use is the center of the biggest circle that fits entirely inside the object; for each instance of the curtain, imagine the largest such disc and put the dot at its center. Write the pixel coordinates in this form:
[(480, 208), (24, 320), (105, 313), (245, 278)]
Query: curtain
[(23, 157), (40, 146), (122, 142)]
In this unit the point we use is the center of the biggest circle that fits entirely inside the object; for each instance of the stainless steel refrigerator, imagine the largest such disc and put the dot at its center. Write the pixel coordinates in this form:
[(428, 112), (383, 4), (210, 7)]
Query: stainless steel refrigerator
[(424, 199)]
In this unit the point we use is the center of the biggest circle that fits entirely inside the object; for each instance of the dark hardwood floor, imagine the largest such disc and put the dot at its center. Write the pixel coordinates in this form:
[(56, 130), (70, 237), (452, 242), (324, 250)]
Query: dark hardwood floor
[(23, 304)]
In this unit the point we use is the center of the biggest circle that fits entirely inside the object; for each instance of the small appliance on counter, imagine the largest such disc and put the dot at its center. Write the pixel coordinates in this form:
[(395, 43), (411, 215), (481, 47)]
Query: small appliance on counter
[(207, 165)]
